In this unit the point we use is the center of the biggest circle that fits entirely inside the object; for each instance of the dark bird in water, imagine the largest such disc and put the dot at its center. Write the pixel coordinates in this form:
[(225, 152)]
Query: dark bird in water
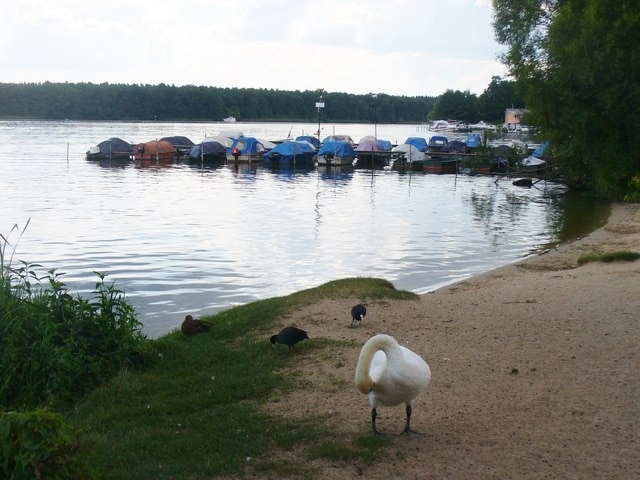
[(357, 313), (390, 374), (190, 325), (289, 336)]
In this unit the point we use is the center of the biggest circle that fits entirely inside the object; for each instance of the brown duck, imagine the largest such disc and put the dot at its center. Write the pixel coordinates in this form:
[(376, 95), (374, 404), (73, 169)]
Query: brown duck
[(190, 325)]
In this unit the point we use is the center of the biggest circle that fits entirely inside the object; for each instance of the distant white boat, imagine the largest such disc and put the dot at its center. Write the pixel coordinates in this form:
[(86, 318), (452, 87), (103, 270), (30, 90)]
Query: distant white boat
[(229, 120), (440, 125)]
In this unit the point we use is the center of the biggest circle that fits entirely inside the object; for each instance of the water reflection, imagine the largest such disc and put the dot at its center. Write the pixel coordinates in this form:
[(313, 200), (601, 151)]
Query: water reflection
[(181, 238), (113, 163), (337, 174), (576, 214), (154, 163)]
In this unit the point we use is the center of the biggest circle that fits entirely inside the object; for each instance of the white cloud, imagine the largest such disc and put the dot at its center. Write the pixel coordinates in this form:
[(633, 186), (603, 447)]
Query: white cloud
[(406, 47)]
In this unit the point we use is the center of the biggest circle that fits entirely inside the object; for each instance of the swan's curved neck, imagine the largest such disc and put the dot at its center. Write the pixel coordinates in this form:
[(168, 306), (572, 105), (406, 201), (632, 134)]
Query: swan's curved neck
[(380, 342)]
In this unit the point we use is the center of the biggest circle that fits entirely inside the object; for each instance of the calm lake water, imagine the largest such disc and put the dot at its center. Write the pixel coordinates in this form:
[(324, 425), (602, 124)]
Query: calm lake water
[(180, 239)]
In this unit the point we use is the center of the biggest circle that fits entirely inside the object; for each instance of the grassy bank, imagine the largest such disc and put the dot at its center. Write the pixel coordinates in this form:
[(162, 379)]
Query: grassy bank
[(196, 411)]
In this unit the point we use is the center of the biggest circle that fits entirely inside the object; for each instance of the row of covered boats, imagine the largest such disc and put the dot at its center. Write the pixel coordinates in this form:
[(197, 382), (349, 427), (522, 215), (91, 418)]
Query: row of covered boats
[(435, 155)]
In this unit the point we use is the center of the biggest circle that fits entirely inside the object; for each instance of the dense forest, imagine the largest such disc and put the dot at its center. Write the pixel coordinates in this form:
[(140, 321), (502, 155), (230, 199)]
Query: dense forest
[(87, 101)]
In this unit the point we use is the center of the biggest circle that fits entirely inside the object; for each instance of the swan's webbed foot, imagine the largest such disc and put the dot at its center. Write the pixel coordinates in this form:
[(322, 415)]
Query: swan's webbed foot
[(407, 427), (412, 433)]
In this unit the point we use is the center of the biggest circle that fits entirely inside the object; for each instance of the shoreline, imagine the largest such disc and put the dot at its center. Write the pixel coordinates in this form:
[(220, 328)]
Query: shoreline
[(534, 368)]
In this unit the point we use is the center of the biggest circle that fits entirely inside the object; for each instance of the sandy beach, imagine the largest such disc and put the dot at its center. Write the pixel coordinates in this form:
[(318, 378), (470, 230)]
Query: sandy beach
[(534, 370)]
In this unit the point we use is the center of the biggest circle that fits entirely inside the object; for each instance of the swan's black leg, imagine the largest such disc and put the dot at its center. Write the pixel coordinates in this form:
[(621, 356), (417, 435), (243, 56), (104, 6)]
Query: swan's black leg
[(374, 414), (407, 427)]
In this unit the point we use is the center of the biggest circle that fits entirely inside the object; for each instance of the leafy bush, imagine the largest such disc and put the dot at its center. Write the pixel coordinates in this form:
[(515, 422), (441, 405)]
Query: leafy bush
[(38, 444), (55, 346), (632, 194)]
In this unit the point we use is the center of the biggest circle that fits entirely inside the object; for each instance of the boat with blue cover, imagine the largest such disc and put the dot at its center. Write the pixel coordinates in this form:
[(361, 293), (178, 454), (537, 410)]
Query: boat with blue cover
[(291, 153), (248, 149), (338, 152)]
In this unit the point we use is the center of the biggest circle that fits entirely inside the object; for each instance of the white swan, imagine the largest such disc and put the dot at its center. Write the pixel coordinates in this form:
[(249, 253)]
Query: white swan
[(390, 374)]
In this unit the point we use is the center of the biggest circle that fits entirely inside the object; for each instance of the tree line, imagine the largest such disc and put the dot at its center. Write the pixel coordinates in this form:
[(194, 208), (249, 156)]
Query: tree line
[(88, 101)]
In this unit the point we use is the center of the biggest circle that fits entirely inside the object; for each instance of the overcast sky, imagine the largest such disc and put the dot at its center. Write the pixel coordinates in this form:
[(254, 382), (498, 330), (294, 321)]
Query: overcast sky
[(397, 47)]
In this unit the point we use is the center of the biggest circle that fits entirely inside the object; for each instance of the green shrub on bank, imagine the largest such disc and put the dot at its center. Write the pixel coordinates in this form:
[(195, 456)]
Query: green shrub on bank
[(38, 444), (55, 346)]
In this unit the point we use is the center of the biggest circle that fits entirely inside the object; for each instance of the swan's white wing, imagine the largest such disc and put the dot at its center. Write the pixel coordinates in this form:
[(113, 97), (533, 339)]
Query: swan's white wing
[(417, 371), (399, 379)]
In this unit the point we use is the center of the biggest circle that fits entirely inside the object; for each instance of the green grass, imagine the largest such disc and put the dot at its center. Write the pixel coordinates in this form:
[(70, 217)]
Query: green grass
[(195, 412), (625, 256)]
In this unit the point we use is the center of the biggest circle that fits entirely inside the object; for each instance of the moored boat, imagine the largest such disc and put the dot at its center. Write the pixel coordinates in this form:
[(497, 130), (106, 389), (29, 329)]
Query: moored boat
[(472, 141), (114, 147), (209, 151), (372, 153), (407, 156), (420, 143), (437, 144), (248, 149), (182, 144), (443, 156), (441, 164), (537, 161), (309, 138), (340, 138), (291, 153), (337, 152), (154, 150)]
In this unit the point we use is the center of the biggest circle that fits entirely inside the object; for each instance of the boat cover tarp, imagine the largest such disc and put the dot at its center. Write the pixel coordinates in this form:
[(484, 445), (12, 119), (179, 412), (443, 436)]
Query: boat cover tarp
[(114, 145), (178, 141), (370, 145), (455, 146), (503, 150), (155, 146), (438, 141), (473, 140), (210, 148), (308, 138), (411, 152), (339, 148), (335, 138), (221, 139), (419, 142), (541, 151), (290, 151), (386, 144), (250, 145)]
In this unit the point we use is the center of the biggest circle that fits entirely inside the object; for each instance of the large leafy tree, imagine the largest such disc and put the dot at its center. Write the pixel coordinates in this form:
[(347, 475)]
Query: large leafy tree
[(578, 62), (500, 94), (456, 105)]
